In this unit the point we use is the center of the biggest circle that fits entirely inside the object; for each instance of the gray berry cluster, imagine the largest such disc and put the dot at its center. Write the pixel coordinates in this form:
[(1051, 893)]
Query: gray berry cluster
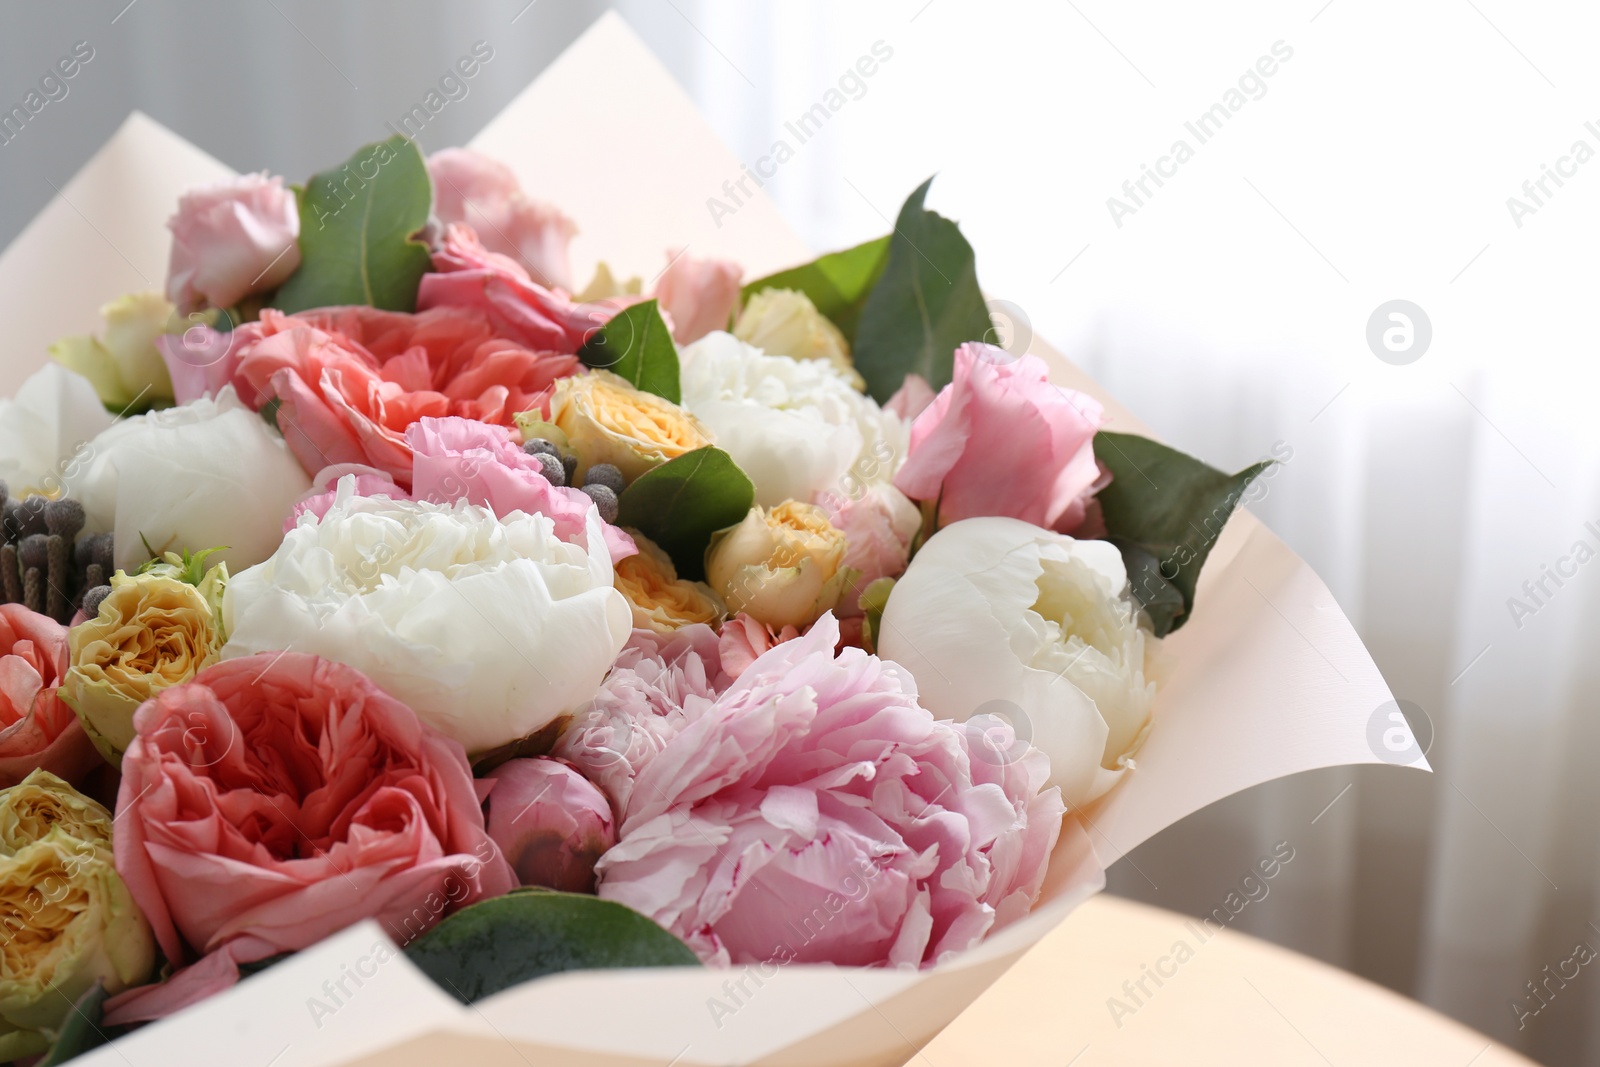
[(44, 565), (603, 482)]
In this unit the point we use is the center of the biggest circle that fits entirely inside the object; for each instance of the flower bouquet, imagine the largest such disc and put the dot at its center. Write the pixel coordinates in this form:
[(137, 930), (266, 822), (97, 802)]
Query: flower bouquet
[(417, 650)]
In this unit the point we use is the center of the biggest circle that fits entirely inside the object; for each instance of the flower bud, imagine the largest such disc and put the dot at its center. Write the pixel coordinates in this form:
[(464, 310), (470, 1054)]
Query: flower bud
[(784, 322), (123, 365), (551, 823)]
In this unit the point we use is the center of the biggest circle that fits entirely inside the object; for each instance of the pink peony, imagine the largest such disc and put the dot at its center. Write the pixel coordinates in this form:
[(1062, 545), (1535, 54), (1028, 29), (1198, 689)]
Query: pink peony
[(815, 812), (550, 823), (467, 275), (660, 683), (1001, 440), (232, 239), (878, 527), (277, 799), (350, 381), (37, 729), (461, 459), (483, 192), (699, 295)]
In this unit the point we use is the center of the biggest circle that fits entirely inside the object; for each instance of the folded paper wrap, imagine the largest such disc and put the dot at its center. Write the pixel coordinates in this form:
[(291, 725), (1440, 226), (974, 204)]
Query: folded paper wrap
[(1269, 677)]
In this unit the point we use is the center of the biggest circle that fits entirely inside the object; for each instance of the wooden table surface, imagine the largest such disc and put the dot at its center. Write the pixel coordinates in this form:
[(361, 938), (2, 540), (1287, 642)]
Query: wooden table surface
[(1227, 1000)]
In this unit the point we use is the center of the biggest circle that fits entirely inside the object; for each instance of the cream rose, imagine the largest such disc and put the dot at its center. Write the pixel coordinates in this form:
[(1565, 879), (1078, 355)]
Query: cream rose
[(607, 420), (661, 601), (783, 322), (69, 920), (152, 631), (782, 567), (123, 365), (998, 616)]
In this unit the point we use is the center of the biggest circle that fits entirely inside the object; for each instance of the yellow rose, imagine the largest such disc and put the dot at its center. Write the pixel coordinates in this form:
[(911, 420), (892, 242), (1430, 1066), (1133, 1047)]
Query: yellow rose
[(783, 322), (607, 420), (783, 566), (67, 918), (152, 631), (661, 601), (124, 365)]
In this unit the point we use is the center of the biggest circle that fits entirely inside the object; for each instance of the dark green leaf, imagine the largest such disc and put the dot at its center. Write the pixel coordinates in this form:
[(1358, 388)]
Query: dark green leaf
[(636, 344), (81, 1031), (925, 306), (356, 223), (509, 940), (681, 503), (1164, 510), (837, 283)]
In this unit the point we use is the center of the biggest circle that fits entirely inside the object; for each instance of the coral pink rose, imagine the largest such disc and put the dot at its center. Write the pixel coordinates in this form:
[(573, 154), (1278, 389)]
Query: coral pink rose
[(232, 239), (467, 275), (462, 459), (279, 798), (350, 381), (815, 812), (1001, 440), (484, 193), (699, 295), (37, 729), (550, 822)]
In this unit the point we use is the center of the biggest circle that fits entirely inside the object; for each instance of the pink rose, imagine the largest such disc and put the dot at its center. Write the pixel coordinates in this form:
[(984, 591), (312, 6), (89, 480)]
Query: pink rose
[(232, 239), (37, 728), (744, 640), (550, 823), (878, 527), (200, 361), (483, 192), (699, 295), (350, 381), (467, 275), (279, 798), (911, 399), (817, 813), (1001, 440), (659, 684)]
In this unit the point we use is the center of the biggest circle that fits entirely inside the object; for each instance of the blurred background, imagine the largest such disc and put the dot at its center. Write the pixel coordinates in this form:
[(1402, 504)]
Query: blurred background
[(1428, 153)]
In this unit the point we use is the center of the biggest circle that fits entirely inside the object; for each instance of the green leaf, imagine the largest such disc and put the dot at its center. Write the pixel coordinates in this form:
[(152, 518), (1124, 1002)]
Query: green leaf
[(356, 223), (81, 1031), (926, 304), (635, 344), (681, 503), (508, 940), (1164, 510), (837, 283)]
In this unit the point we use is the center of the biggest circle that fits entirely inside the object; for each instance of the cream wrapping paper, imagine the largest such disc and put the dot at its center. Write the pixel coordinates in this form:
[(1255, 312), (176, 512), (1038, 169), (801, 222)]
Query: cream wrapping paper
[(1270, 678)]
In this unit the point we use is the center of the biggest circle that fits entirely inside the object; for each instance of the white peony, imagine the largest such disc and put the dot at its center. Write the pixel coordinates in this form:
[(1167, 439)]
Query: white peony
[(45, 432), (999, 616), (209, 473), (796, 426), (490, 629)]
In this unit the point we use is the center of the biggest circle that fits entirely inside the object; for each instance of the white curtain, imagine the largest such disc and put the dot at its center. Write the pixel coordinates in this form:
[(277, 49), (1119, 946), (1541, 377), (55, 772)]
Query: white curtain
[(1229, 310)]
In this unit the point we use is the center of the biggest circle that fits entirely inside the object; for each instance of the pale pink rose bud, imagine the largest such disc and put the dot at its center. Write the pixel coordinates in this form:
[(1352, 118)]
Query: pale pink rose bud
[(232, 239), (699, 295), (551, 823), (485, 194)]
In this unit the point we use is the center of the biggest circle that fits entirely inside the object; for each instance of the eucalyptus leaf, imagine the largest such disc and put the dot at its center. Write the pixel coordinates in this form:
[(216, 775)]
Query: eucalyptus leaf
[(837, 283), (356, 227), (1164, 510), (636, 345), (508, 940), (681, 503), (926, 304)]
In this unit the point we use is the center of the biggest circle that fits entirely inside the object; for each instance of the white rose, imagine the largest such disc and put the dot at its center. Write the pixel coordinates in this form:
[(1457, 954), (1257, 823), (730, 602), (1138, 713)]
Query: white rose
[(206, 474), (45, 431), (796, 427), (489, 629), (998, 616)]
